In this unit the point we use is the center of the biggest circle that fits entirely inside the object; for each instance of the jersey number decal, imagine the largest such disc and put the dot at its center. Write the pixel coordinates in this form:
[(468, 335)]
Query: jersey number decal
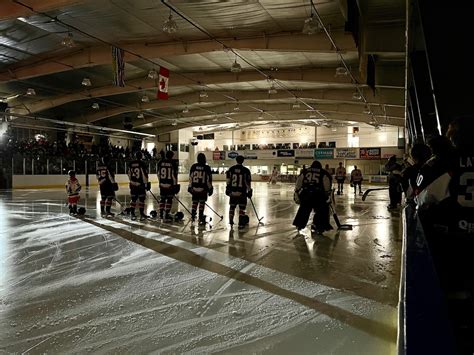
[(165, 173), (136, 173), (466, 182), (198, 176), (312, 177), (237, 180)]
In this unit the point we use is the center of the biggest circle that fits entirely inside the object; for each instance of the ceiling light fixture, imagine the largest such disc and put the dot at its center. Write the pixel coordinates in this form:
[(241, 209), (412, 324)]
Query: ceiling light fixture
[(367, 110), (170, 26), (214, 119), (145, 98), (86, 82), (296, 104), (203, 94), (174, 123), (186, 109), (272, 89), (237, 108), (341, 71), (141, 116), (95, 106), (68, 41), (356, 95), (260, 116), (152, 74), (236, 67), (31, 92), (311, 25)]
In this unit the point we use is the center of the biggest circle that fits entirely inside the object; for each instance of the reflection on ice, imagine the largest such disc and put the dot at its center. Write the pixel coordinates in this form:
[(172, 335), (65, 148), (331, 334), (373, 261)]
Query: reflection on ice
[(101, 285)]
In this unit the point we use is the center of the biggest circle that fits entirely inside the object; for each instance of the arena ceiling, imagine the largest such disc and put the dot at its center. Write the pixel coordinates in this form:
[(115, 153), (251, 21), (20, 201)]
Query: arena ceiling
[(264, 37)]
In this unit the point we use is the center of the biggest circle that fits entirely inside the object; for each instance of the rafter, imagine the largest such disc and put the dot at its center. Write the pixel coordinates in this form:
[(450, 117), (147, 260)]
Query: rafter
[(323, 76), (100, 55), (277, 109), (11, 10), (210, 120), (216, 99)]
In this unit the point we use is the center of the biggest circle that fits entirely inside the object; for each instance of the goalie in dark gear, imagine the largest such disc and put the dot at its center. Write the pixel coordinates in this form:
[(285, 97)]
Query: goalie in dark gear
[(313, 187), (200, 186)]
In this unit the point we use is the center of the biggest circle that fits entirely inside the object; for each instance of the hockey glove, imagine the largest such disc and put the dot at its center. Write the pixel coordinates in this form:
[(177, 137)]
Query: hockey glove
[(296, 198), (190, 189), (250, 193), (228, 191), (148, 186), (211, 191), (177, 189)]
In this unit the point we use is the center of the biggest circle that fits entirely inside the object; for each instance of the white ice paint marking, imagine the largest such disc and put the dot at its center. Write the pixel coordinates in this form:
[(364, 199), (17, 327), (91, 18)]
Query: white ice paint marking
[(34, 346)]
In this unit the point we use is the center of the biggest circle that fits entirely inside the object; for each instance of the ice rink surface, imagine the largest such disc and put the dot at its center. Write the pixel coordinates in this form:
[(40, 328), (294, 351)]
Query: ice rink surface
[(95, 285)]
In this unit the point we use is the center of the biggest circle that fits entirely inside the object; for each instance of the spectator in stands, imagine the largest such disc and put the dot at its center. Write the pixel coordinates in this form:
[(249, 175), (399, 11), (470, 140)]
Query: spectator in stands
[(419, 153)]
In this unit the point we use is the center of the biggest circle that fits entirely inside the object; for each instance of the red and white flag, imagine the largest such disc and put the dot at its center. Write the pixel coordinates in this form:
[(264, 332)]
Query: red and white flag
[(163, 84)]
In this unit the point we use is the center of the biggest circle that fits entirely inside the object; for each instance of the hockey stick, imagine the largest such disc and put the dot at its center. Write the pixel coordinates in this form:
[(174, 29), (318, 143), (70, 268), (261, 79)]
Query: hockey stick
[(255, 210), (221, 216), (368, 191), (338, 223), (182, 204), (121, 206)]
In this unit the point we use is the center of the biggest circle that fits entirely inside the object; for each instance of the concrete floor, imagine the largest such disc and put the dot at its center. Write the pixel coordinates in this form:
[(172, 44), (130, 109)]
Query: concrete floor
[(70, 285)]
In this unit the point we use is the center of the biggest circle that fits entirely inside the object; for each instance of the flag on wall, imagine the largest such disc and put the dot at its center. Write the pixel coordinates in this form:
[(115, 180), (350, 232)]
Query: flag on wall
[(163, 84), (118, 65)]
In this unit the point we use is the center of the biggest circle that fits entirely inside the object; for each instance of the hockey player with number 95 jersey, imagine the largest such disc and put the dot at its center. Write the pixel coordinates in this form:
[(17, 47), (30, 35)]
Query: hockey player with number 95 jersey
[(200, 186)]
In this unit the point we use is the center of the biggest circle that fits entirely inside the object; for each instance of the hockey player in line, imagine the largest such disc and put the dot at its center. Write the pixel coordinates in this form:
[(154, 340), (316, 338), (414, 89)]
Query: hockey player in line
[(313, 192), (356, 179), (73, 187), (168, 181), (107, 186), (340, 178), (238, 188), (200, 186), (139, 184)]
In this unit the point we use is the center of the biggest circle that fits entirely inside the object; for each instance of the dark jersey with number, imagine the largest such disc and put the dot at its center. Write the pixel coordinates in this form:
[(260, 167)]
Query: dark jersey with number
[(167, 173), (200, 177), (238, 178), (312, 179), (138, 172), (104, 176), (445, 194)]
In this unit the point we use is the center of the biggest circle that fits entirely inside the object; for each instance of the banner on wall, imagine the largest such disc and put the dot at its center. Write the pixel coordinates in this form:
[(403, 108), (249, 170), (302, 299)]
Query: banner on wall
[(304, 153), (387, 152), (218, 155), (324, 153), (346, 153), (266, 154), (369, 153), (285, 153), (250, 154), (232, 154)]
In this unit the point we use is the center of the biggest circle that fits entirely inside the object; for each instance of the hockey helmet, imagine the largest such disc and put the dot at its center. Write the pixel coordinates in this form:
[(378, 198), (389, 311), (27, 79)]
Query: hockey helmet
[(81, 211), (153, 214), (243, 220), (71, 173), (179, 216), (138, 155), (201, 158)]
